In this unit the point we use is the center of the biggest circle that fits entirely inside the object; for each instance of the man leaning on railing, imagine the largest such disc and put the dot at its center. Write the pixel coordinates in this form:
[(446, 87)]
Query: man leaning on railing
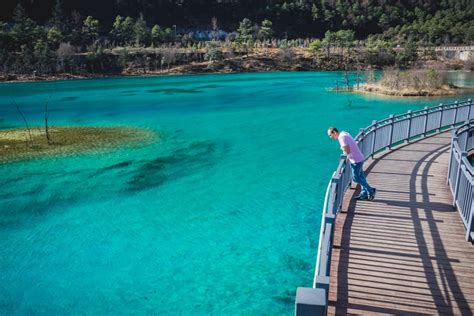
[(356, 158)]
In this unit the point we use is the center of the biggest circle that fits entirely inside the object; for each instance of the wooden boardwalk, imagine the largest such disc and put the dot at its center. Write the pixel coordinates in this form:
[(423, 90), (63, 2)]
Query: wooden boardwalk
[(403, 253)]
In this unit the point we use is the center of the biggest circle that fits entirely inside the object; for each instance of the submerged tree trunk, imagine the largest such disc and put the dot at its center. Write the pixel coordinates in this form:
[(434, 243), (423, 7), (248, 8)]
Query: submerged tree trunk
[(30, 142), (46, 116)]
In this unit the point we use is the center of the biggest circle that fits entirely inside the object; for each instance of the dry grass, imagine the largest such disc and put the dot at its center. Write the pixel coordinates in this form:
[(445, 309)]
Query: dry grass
[(413, 82)]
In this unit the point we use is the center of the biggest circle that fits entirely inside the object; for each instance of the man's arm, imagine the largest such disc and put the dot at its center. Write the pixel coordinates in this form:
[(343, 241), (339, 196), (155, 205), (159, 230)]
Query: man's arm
[(346, 149)]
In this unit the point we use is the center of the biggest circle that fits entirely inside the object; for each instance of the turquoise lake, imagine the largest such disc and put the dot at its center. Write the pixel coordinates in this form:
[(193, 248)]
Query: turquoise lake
[(219, 215)]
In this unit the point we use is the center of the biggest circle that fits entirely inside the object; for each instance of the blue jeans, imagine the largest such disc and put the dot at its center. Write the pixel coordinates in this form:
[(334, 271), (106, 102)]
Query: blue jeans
[(359, 177)]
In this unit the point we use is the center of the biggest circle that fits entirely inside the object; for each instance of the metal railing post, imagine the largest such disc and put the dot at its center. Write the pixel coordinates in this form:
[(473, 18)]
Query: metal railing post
[(454, 138), (361, 132), (458, 177), (409, 125), (455, 113), (425, 123), (372, 146), (470, 224), (335, 181), (343, 157), (440, 117), (469, 109), (391, 131)]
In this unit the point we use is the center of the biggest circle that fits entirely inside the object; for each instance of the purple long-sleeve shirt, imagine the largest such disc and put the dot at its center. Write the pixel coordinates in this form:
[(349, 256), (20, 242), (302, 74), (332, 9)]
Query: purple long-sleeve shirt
[(345, 139)]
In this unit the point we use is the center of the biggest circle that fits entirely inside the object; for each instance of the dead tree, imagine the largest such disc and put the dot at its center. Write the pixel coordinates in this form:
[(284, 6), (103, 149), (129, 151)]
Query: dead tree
[(358, 76), (346, 79), (30, 141), (46, 117)]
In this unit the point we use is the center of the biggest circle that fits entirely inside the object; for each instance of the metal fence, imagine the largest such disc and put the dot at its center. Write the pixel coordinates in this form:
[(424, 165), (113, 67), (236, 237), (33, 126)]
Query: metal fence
[(381, 135), (461, 175)]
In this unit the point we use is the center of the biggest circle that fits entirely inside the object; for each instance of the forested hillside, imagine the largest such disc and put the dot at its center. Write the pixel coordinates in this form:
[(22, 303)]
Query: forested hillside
[(430, 21)]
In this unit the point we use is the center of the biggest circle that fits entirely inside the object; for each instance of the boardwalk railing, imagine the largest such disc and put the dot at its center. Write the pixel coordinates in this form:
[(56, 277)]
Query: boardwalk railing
[(380, 135), (461, 175)]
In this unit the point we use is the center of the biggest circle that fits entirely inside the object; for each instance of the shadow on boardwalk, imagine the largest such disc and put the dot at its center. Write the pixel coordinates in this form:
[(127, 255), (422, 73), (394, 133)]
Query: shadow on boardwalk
[(405, 252)]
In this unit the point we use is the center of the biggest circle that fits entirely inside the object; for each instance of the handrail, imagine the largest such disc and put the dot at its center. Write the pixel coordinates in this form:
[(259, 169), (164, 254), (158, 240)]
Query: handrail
[(379, 136), (461, 176), (321, 231)]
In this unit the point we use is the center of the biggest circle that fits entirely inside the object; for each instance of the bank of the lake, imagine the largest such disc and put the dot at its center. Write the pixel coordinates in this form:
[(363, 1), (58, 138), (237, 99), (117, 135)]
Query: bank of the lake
[(445, 90), (257, 60)]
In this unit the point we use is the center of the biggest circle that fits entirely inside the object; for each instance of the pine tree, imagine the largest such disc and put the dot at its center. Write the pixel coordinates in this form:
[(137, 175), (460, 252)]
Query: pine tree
[(245, 31), (25, 31), (140, 30), (266, 31), (128, 30), (55, 36), (117, 30), (156, 34), (90, 29), (19, 14), (57, 17)]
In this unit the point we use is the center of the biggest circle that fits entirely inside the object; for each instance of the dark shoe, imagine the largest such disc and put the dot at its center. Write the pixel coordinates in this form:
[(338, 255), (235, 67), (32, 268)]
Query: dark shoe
[(372, 195), (362, 197)]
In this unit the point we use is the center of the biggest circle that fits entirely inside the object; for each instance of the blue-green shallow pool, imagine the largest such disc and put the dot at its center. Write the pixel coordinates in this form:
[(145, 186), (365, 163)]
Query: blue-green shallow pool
[(220, 216)]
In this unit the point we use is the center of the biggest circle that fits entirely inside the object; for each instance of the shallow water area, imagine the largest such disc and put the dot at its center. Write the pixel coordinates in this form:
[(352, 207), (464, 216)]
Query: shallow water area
[(219, 216)]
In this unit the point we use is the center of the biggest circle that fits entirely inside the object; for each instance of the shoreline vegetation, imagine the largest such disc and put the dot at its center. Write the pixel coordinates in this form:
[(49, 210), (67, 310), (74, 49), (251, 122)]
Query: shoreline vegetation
[(254, 60), (29, 143), (445, 90), (405, 83)]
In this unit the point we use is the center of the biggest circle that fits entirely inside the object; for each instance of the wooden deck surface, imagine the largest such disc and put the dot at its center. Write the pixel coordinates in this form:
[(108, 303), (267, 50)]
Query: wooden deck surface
[(403, 253)]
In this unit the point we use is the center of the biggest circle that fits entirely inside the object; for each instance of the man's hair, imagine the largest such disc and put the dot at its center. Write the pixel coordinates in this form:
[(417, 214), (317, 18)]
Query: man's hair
[(333, 129)]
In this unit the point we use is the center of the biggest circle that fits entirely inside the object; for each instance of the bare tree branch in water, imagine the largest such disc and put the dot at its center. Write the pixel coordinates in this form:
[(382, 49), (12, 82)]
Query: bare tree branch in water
[(30, 141), (46, 117), (346, 79)]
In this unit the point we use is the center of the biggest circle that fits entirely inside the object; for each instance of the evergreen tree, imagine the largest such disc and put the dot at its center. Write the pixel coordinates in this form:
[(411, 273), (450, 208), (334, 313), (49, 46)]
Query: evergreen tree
[(44, 57), (315, 46), (409, 54), (266, 31), (24, 62), (128, 30), (123, 30), (19, 14), (25, 31), (141, 31), (57, 17), (328, 41), (75, 35), (156, 34), (344, 39), (90, 29), (169, 35), (55, 36), (245, 31), (117, 30)]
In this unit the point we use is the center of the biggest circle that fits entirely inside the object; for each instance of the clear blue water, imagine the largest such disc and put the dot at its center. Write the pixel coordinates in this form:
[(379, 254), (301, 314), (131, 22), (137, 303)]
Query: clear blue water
[(219, 216)]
